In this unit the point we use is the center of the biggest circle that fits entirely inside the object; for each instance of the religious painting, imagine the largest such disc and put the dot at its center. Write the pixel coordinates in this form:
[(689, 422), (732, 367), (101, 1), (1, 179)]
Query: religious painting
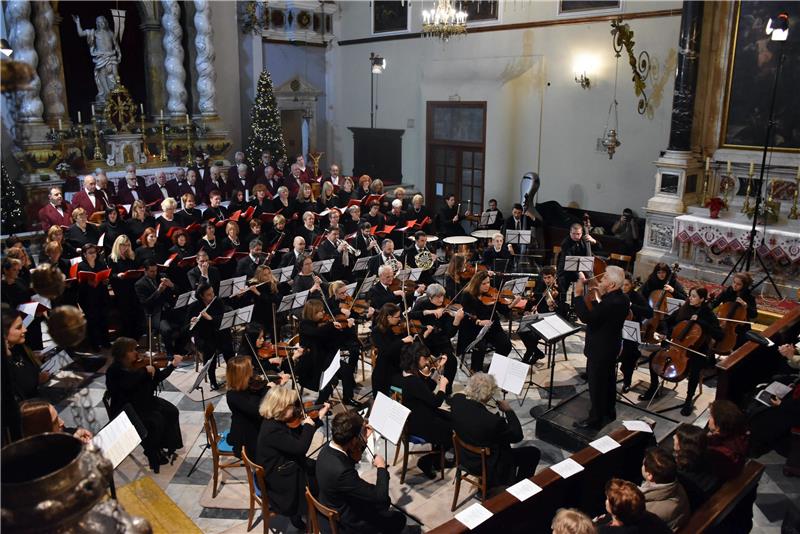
[(752, 72), (389, 16), (480, 10), (578, 6)]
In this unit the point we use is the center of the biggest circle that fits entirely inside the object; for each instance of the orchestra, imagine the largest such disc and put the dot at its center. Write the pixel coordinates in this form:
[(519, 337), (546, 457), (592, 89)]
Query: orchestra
[(417, 318)]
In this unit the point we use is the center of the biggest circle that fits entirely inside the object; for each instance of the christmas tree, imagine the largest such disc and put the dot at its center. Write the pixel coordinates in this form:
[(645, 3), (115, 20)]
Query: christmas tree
[(265, 124), (13, 218)]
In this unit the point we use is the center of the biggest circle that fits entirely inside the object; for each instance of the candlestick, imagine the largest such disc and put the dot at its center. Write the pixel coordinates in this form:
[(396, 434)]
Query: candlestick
[(81, 142), (98, 154), (189, 142), (746, 204), (60, 125), (162, 123), (79, 118), (729, 167), (162, 113), (93, 113), (187, 119), (708, 162), (752, 167)]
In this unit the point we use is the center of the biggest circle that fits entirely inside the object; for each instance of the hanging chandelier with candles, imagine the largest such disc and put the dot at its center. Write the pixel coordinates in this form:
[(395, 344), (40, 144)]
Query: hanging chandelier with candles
[(444, 21)]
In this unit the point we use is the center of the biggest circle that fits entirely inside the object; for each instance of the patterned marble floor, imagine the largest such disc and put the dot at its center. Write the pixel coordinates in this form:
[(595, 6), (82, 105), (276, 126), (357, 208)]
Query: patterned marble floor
[(427, 501)]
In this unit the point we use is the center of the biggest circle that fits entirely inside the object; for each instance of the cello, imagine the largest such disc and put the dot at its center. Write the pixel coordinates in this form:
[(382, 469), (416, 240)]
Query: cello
[(672, 364), (658, 301), (731, 314)]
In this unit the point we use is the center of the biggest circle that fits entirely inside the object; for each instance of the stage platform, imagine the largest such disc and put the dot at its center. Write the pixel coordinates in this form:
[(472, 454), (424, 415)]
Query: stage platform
[(555, 425)]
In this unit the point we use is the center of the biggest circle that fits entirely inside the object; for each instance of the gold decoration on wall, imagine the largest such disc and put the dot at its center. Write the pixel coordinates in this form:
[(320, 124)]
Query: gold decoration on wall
[(623, 39), (120, 111)]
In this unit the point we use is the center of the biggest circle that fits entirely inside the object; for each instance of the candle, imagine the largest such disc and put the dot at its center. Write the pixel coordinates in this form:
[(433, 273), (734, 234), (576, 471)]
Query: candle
[(60, 126), (187, 118), (708, 162), (752, 166), (141, 109), (162, 113), (729, 167), (79, 118), (93, 110)]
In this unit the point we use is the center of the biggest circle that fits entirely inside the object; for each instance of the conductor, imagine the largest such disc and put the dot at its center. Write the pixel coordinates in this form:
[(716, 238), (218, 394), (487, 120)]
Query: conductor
[(604, 320)]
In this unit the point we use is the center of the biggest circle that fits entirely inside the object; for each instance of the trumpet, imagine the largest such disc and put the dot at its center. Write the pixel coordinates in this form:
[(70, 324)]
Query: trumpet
[(350, 248)]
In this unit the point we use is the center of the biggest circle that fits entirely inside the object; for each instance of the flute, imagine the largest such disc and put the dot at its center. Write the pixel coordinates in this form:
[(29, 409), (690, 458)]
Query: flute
[(196, 320)]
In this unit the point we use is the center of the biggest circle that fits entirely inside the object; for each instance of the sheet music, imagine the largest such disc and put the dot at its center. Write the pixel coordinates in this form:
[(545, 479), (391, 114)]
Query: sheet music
[(632, 331), (184, 299), (388, 418), (637, 425), (516, 286), (673, 305), (243, 315), (228, 319), (519, 237), (441, 270), (322, 266), (552, 327), (284, 274), (524, 489), (604, 444), (59, 360), (777, 389), (473, 516), (351, 289), (330, 372), (362, 264), (118, 439), (368, 283), (509, 374), (579, 263), (567, 468), (239, 284), (226, 288)]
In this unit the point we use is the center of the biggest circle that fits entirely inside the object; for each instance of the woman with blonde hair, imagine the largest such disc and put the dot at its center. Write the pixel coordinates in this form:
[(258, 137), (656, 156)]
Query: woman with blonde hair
[(305, 200), (231, 240), (138, 221), (281, 451), (572, 521), (327, 198), (283, 203), (81, 232), (121, 261), (346, 192), (56, 234)]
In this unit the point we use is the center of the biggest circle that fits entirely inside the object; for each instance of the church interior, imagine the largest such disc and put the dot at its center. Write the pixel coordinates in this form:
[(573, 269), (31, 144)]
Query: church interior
[(400, 266)]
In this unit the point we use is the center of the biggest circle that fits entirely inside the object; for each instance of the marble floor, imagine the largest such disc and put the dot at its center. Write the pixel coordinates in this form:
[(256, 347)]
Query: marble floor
[(426, 502)]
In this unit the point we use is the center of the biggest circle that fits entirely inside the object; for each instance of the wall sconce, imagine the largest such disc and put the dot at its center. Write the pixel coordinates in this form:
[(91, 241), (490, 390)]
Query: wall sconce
[(583, 81), (582, 67)]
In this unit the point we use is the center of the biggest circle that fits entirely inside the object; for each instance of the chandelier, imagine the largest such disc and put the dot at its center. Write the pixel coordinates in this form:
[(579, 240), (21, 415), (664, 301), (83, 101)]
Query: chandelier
[(444, 21)]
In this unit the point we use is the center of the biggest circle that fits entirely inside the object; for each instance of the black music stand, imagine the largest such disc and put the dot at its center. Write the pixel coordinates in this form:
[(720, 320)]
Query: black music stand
[(553, 329), (198, 386)]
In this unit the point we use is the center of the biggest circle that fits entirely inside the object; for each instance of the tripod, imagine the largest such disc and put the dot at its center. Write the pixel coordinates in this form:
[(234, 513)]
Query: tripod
[(744, 261)]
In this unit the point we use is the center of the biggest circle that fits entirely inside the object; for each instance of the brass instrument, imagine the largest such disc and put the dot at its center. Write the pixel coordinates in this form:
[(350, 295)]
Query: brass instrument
[(394, 264), (424, 259), (350, 248)]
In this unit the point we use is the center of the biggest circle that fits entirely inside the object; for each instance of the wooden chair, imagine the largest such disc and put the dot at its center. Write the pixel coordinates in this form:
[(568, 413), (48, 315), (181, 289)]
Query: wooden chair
[(220, 448), (315, 507), (406, 440), (258, 493), (621, 258), (556, 252), (480, 482)]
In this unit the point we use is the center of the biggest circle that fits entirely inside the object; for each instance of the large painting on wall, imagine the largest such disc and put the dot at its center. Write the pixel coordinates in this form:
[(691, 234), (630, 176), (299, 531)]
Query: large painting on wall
[(578, 6), (389, 16), (751, 77)]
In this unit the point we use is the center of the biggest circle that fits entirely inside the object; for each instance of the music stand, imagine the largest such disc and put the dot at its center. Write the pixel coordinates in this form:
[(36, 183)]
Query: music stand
[(322, 266), (184, 299), (367, 284), (441, 270), (516, 285), (579, 264), (293, 301), (408, 275), (197, 385), (362, 264), (284, 274), (351, 289), (553, 329), (226, 287), (487, 218)]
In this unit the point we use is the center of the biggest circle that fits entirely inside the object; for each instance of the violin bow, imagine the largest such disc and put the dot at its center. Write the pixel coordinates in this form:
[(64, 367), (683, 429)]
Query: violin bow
[(288, 359), (258, 360)]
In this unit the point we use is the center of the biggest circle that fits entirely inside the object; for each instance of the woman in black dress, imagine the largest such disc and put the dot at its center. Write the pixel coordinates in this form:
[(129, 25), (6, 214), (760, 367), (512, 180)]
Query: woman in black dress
[(424, 395), (81, 232), (132, 384), (389, 344), (264, 295), (284, 204), (148, 250), (243, 401), (739, 292), (282, 451), (327, 198), (121, 260), (24, 370), (307, 280), (260, 200), (209, 241), (640, 310), (111, 228), (164, 225), (138, 222), (237, 201), (346, 192), (94, 299), (182, 247)]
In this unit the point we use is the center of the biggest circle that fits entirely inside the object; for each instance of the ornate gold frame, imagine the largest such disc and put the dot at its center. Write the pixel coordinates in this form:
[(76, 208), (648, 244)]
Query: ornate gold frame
[(728, 84)]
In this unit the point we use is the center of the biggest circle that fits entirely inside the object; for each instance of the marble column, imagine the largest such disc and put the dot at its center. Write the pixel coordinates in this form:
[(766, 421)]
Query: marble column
[(204, 62), (173, 63), (686, 76), (21, 37), (51, 70), (154, 66)]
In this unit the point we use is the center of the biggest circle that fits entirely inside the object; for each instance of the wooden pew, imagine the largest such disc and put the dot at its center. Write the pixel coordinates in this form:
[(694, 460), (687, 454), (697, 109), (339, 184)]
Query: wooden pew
[(585, 490), (752, 364), (714, 511)]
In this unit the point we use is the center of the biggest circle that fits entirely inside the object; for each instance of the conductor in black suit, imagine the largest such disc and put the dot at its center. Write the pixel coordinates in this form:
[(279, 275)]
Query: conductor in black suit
[(204, 272), (362, 507), (603, 341)]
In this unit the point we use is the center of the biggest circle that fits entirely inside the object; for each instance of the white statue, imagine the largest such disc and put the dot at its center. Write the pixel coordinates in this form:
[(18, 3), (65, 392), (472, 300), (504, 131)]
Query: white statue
[(106, 55)]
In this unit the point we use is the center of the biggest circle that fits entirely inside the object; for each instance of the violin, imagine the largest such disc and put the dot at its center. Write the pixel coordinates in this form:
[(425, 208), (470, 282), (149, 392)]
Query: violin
[(672, 364), (469, 271), (308, 409), (159, 362), (432, 364), (269, 350), (491, 296), (658, 301), (260, 383), (736, 314), (397, 285), (339, 320), (356, 307), (413, 327)]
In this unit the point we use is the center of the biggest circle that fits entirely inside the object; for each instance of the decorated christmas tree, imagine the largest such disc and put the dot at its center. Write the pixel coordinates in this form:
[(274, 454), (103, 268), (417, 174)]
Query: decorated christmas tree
[(265, 124), (13, 218)]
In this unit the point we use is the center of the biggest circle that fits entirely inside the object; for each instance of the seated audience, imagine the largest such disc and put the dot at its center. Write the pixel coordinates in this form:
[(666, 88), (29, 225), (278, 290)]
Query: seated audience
[(690, 450), (728, 439), (663, 494), (572, 521), (627, 513)]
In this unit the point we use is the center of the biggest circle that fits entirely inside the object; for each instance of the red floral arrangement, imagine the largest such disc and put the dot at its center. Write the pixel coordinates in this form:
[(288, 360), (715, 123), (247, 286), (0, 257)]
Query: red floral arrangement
[(714, 205)]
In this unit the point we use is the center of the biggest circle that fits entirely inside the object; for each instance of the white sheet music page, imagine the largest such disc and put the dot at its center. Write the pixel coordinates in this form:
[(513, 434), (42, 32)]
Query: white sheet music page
[(567, 468), (473, 516), (118, 439), (509, 374), (604, 444), (388, 417), (637, 425), (329, 373), (524, 489)]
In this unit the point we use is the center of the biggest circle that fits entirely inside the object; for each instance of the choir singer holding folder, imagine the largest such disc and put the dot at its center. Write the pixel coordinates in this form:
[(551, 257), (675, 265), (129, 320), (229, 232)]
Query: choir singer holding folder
[(604, 320)]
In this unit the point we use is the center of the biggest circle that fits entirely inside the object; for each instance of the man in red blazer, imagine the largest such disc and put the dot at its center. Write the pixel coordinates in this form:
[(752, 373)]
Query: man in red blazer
[(87, 199), (56, 212), (306, 173)]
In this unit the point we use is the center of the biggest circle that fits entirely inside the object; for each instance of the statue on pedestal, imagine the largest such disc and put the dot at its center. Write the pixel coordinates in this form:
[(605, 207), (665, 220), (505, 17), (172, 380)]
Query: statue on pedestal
[(106, 55)]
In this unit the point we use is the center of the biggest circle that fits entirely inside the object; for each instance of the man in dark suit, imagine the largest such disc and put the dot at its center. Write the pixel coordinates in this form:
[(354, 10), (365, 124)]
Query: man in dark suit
[(380, 293), (306, 173), (156, 295), (519, 221), (575, 244), (204, 272), (293, 256), (332, 248), (410, 253), (244, 180), (216, 182), (105, 187), (200, 167), (247, 265), (603, 340), (56, 212), (161, 189), (233, 170), (132, 188), (475, 425), (271, 181), (191, 185), (365, 241), (87, 198), (385, 257), (334, 177), (362, 507), (266, 161)]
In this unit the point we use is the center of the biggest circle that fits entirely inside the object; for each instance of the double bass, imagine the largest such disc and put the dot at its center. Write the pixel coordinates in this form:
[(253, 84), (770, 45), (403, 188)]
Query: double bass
[(658, 301)]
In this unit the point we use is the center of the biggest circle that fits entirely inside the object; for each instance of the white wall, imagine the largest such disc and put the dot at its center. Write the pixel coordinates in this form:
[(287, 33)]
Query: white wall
[(517, 73), (226, 49)]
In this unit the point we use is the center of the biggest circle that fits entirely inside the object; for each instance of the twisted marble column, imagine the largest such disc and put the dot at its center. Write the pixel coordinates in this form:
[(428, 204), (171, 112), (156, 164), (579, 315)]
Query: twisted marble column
[(48, 46), (204, 46), (173, 63), (21, 37)]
